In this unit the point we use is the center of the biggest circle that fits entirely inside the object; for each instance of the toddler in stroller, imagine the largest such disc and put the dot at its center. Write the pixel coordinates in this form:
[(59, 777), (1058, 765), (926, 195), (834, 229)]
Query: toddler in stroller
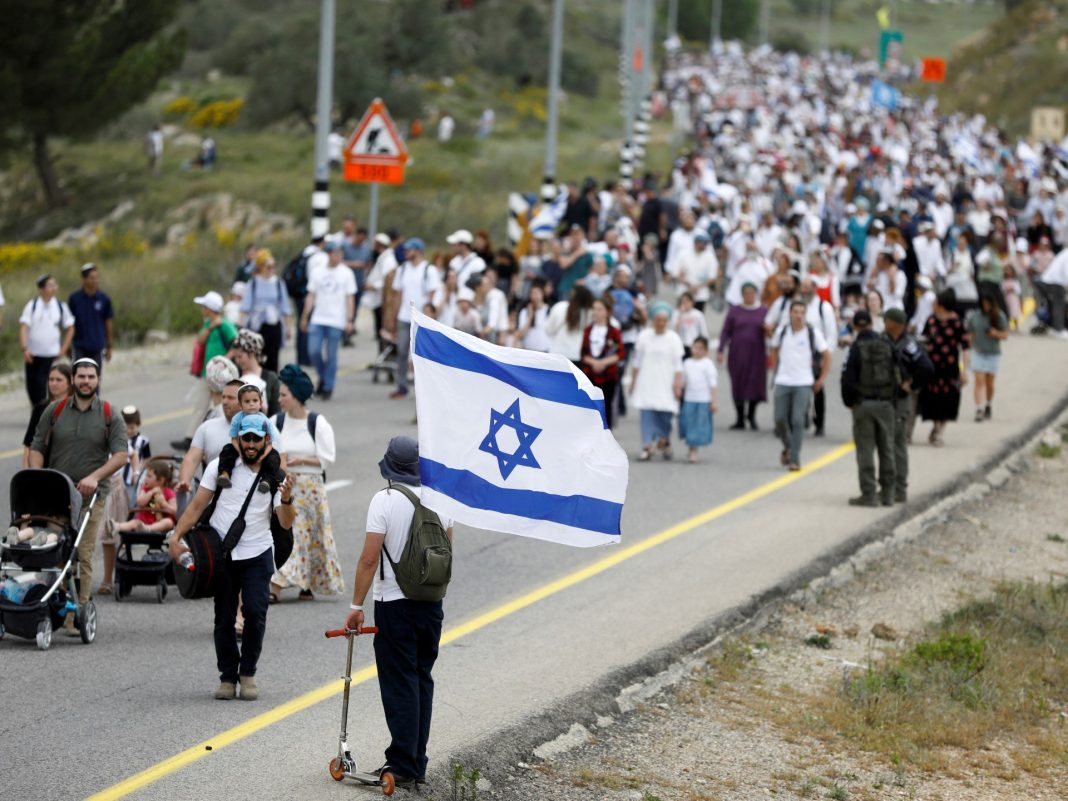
[(150, 522), (156, 506), (23, 533)]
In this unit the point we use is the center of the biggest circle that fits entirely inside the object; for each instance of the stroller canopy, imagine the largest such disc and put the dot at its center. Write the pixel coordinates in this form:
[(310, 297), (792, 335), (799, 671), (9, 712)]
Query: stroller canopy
[(45, 492)]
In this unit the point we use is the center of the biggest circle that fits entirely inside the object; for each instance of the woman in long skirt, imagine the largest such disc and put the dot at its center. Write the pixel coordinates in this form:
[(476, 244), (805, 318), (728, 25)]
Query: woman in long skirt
[(656, 382), (947, 345), (742, 339), (313, 566)]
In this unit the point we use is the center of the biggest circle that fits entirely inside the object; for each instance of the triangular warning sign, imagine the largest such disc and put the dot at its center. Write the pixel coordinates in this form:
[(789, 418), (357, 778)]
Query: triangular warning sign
[(376, 139)]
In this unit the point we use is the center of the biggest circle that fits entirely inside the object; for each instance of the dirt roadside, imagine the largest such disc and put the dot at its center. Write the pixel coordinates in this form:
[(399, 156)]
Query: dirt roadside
[(744, 721)]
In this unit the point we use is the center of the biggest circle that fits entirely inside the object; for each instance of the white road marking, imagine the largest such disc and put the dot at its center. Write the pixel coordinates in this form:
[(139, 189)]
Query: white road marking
[(333, 485)]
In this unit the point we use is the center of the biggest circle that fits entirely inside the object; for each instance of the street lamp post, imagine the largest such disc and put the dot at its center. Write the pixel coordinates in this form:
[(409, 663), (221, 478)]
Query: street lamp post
[(320, 221)]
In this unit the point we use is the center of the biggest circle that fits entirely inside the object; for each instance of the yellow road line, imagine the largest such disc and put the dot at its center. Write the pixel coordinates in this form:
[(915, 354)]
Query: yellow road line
[(308, 699)]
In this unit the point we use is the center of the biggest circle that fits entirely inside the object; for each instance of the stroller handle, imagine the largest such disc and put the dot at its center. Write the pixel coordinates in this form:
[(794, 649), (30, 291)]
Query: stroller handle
[(350, 632)]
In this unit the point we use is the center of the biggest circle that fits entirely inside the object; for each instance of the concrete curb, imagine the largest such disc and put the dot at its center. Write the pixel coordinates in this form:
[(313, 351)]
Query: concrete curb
[(573, 721)]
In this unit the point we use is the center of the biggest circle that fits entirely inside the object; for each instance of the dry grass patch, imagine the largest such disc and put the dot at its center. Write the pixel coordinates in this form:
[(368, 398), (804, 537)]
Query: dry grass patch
[(994, 670)]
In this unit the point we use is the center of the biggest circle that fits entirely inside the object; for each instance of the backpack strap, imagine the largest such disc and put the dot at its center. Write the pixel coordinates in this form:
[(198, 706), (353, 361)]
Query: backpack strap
[(312, 418), (280, 421), (411, 496)]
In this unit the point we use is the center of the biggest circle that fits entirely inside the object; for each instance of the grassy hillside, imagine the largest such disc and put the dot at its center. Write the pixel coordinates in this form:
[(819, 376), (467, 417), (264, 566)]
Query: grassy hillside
[(1016, 64)]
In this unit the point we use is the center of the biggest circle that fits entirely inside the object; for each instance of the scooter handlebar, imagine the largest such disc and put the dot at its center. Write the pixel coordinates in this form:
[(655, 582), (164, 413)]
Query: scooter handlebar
[(348, 632)]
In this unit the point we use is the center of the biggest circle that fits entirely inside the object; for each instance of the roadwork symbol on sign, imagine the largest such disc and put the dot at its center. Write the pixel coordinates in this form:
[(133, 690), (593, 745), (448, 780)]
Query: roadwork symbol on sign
[(375, 152)]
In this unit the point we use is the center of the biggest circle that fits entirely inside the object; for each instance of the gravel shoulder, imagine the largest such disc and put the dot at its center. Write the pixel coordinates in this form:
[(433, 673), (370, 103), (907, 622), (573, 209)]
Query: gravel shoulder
[(735, 728)]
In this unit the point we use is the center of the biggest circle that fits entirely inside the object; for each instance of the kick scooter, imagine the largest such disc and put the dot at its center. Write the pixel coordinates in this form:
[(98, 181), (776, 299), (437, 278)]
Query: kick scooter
[(344, 764)]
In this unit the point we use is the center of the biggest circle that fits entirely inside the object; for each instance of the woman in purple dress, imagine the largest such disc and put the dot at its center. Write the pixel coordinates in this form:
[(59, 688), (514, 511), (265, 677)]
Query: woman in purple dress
[(743, 333)]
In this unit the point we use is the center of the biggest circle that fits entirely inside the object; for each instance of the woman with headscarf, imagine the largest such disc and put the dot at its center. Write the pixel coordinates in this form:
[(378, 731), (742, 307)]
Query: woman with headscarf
[(747, 362), (307, 439), (656, 381), (265, 308), (945, 338)]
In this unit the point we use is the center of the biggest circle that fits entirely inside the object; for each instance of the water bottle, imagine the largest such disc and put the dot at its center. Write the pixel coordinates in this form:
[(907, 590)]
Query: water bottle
[(186, 561)]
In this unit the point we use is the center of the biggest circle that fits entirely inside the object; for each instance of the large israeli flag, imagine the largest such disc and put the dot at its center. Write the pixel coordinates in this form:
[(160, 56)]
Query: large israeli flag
[(514, 441)]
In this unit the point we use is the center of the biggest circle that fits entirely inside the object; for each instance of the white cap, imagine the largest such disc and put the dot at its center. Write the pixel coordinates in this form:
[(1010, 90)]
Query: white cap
[(383, 240), (212, 301), (239, 288), (461, 237), (1022, 245), (466, 293)]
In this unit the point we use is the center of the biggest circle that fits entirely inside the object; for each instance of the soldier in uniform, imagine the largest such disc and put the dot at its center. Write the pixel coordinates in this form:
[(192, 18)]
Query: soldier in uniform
[(870, 382), (916, 370)]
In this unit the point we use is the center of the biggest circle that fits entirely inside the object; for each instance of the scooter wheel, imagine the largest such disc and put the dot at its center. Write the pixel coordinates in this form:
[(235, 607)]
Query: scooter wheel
[(389, 784), (337, 769)]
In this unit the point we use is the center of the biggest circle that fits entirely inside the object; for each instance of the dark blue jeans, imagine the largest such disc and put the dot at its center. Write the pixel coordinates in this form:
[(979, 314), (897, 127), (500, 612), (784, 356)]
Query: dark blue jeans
[(406, 648), (251, 579)]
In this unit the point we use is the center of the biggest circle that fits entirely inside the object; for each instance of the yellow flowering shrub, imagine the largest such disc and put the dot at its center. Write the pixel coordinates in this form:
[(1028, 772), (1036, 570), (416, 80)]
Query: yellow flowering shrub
[(16, 256), (180, 106), (220, 114)]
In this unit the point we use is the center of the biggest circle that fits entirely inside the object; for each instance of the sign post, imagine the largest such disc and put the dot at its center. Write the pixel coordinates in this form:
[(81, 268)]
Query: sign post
[(375, 154)]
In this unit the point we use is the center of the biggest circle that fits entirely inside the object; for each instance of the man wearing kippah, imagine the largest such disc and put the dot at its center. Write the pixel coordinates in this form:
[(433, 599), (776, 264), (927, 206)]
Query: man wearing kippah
[(92, 318), (46, 328)]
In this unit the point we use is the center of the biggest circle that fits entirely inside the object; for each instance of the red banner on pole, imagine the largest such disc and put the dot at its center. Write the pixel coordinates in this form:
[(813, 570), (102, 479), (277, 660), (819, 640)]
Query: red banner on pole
[(934, 70)]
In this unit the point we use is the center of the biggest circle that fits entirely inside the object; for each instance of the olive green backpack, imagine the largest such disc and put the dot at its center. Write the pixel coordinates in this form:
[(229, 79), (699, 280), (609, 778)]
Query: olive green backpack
[(424, 568)]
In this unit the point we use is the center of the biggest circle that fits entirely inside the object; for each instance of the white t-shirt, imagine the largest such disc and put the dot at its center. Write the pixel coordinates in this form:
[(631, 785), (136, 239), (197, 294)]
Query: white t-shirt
[(537, 337), (699, 377), (417, 284), (466, 266), (212, 436), (390, 513), (332, 287), (296, 440), (257, 535), (43, 321), (795, 356), (317, 260)]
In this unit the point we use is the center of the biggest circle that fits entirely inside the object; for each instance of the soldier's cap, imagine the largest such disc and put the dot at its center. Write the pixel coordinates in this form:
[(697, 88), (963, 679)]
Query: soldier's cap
[(896, 316)]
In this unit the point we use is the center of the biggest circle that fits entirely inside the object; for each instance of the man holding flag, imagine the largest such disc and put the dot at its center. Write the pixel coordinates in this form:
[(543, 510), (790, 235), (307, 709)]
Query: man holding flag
[(509, 440)]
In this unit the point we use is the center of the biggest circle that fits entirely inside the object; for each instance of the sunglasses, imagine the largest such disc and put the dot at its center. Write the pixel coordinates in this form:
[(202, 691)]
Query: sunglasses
[(250, 437)]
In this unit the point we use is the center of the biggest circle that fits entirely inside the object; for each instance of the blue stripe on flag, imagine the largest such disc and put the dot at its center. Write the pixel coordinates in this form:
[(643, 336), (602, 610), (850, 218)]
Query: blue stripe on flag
[(550, 385), (577, 511)]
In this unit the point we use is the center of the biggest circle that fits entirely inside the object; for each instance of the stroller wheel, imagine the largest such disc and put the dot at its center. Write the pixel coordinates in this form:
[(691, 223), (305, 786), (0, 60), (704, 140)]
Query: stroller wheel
[(87, 622), (44, 634), (161, 591), (1, 631), (337, 769), (389, 784)]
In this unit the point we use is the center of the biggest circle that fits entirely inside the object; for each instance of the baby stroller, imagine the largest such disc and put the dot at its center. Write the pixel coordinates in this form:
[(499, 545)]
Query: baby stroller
[(384, 362), (48, 497), (142, 559)]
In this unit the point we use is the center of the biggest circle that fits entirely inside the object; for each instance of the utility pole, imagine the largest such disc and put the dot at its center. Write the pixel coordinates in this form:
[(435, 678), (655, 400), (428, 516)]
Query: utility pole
[(825, 27), (765, 21), (320, 222), (556, 50), (643, 103), (628, 79), (717, 25), (673, 19)]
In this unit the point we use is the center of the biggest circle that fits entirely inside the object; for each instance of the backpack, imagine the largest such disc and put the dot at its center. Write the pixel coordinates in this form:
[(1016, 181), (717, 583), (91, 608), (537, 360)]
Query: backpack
[(623, 307), (424, 568), (295, 276), (280, 420), (880, 375)]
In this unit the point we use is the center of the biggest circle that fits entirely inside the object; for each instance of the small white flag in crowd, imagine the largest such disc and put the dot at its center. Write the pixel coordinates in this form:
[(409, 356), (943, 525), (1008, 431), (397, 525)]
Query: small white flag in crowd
[(514, 441)]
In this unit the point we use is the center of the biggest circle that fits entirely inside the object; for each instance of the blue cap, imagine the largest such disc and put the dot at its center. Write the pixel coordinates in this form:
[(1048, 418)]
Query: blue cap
[(254, 424), (701, 236), (331, 246), (415, 243)]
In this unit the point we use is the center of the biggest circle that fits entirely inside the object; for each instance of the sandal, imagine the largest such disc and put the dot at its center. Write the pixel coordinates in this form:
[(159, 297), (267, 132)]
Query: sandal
[(645, 455), (105, 589), (272, 598), (305, 595)]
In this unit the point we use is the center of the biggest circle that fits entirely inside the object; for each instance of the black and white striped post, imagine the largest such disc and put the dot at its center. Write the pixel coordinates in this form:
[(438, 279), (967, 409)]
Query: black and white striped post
[(320, 219), (629, 86)]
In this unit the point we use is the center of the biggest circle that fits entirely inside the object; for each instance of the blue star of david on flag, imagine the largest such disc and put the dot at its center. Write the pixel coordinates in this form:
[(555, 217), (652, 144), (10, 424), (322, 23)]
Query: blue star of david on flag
[(525, 433)]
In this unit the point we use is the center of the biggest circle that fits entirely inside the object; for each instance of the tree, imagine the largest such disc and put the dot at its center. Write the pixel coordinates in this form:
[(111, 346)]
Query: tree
[(695, 19), (69, 67)]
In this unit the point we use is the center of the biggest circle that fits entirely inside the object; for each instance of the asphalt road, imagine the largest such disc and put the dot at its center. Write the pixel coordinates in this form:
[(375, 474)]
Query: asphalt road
[(528, 624)]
